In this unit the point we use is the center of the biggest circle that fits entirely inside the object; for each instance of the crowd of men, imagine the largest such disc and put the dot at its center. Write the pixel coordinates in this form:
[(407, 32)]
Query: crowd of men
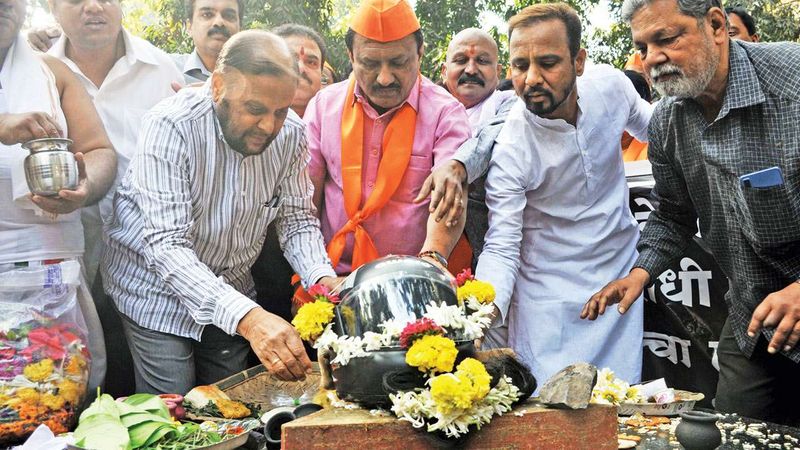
[(209, 177)]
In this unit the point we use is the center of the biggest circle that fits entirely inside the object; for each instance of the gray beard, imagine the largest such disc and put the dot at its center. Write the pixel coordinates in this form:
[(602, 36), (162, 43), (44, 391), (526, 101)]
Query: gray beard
[(682, 86)]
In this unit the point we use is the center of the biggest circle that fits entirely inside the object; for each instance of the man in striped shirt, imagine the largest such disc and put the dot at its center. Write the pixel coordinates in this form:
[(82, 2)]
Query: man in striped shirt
[(215, 166)]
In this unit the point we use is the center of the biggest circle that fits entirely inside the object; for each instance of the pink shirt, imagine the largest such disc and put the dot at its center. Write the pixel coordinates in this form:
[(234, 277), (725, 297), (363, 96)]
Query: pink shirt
[(400, 227)]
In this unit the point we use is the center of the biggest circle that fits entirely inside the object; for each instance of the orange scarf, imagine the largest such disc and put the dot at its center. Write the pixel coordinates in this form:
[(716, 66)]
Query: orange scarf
[(397, 142)]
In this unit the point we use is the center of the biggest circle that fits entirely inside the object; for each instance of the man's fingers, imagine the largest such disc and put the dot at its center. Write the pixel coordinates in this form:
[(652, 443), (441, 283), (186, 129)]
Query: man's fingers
[(628, 298), (425, 190), (278, 368), (79, 161), (757, 320), (436, 197), (588, 311), (447, 202), (50, 126), (176, 86), (782, 332), (794, 337), (295, 346)]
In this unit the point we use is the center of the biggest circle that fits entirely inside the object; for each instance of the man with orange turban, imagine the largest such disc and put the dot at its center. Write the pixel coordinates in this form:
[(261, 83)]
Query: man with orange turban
[(374, 139)]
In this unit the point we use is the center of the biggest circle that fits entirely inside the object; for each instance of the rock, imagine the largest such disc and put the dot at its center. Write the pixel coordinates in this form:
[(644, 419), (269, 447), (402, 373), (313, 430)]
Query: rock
[(570, 388)]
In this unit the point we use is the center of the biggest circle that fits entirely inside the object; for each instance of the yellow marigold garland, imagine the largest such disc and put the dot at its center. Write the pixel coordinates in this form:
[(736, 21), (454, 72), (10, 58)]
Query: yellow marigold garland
[(312, 318), (479, 379), (38, 372), (482, 291), (447, 390), (462, 389), (432, 354)]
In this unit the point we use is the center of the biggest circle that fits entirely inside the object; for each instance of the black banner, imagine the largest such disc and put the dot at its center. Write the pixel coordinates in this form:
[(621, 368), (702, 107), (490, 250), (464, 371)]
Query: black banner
[(684, 312)]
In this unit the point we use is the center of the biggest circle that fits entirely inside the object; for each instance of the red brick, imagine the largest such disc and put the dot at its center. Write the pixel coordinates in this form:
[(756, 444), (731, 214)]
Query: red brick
[(594, 428)]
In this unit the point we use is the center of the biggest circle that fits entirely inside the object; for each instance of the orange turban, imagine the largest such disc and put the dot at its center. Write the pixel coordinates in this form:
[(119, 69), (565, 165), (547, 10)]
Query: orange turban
[(384, 20)]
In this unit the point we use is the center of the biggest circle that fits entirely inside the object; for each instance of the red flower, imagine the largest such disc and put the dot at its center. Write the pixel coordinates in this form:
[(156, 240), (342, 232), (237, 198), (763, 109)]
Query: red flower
[(418, 329), (321, 292), (465, 275)]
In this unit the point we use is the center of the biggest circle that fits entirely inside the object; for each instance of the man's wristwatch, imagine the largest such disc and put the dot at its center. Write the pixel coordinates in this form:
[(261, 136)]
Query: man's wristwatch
[(435, 255)]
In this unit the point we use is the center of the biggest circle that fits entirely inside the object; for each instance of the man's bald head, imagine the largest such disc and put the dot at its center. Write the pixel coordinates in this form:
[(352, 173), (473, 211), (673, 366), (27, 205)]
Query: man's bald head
[(252, 87), (472, 36), (257, 52), (471, 71)]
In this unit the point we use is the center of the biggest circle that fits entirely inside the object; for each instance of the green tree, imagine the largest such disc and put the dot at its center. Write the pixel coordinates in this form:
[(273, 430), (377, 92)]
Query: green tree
[(777, 20), (164, 22)]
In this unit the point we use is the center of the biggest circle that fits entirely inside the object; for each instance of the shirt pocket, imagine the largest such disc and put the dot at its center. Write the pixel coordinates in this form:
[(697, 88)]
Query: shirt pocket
[(265, 215), (419, 167), (768, 216)]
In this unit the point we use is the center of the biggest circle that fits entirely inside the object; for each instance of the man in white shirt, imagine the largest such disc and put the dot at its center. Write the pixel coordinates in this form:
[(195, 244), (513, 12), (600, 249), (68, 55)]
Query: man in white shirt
[(125, 76), (559, 220), (41, 98), (211, 24), (215, 166), (471, 74)]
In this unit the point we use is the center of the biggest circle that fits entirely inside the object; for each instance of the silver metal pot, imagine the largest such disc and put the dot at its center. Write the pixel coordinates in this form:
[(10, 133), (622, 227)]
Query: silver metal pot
[(50, 167)]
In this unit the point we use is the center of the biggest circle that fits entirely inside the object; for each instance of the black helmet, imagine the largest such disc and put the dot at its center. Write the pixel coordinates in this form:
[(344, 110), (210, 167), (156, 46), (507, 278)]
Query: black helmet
[(390, 288)]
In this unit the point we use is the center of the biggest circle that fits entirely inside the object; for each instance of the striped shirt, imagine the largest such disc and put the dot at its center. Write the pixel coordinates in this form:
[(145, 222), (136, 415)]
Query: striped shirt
[(191, 214)]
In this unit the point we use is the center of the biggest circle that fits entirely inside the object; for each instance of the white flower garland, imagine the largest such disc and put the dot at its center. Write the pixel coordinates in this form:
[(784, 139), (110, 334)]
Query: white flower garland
[(453, 317), (418, 408)]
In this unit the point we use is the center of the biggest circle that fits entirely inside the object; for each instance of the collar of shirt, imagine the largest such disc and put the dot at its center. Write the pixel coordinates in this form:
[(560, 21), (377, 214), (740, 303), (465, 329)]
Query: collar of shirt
[(412, 100), (135, 50), (194, 66), (743, 88)]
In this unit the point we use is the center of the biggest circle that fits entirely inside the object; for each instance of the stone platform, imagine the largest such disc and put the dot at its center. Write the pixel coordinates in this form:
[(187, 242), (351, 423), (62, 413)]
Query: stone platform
[(529, 426)]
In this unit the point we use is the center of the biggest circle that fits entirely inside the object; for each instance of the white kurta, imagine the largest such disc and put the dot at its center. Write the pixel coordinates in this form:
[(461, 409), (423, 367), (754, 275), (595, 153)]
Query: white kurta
[(560, 228)]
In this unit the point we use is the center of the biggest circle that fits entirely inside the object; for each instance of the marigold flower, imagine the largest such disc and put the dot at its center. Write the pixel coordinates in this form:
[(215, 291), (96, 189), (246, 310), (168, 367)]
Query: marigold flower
[(312, 318), (76, 365), (474, 373), (28, 395), (38, 372), (52, 402), (418, 329), (70, 391), (481, 291), (449, 393), (432, 354)]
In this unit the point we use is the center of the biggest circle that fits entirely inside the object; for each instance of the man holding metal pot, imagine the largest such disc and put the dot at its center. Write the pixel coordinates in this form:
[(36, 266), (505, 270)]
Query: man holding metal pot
[(41, 98)]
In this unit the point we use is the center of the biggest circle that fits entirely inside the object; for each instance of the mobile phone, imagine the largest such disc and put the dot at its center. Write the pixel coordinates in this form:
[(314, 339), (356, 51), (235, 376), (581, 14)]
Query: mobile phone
[(762, 179)]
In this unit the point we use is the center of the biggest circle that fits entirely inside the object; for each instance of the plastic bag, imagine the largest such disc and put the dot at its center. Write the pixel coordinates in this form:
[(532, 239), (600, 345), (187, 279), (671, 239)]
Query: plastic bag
[(44, 359)]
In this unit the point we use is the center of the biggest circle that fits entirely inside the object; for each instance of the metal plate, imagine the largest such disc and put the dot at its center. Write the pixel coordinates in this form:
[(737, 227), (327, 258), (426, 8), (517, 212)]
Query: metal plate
[(686, 403)]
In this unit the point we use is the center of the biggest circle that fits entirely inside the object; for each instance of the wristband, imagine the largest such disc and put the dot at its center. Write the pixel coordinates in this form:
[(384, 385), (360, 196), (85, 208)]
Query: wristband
[(435, 255)]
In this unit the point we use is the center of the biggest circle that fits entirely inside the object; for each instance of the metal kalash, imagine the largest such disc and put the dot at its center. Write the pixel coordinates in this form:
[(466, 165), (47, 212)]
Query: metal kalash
[(392, 287)]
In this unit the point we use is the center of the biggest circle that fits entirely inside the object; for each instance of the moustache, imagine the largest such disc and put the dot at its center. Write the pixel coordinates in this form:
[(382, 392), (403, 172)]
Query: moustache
[(470, 78), (219, 30), (530, 92), (381, 88), (665, 69)]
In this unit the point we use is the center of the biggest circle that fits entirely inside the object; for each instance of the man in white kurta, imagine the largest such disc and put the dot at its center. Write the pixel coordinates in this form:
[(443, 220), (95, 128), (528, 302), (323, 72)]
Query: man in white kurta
[(124, 75), (559, 220)]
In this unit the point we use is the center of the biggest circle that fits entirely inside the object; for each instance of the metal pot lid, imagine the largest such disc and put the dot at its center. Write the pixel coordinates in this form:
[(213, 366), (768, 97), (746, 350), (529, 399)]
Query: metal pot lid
[(37, 145)]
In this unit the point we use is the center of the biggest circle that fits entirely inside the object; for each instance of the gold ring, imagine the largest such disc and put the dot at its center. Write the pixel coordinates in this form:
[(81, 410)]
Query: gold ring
[(275, 361)]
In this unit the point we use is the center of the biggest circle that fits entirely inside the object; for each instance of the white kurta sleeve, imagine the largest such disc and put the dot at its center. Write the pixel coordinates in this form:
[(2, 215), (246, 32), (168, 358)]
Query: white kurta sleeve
[(640, 110), (506, 186)]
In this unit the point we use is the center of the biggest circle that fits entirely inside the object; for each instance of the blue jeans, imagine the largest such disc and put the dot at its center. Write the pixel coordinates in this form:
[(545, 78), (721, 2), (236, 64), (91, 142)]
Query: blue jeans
[(169, 364)]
